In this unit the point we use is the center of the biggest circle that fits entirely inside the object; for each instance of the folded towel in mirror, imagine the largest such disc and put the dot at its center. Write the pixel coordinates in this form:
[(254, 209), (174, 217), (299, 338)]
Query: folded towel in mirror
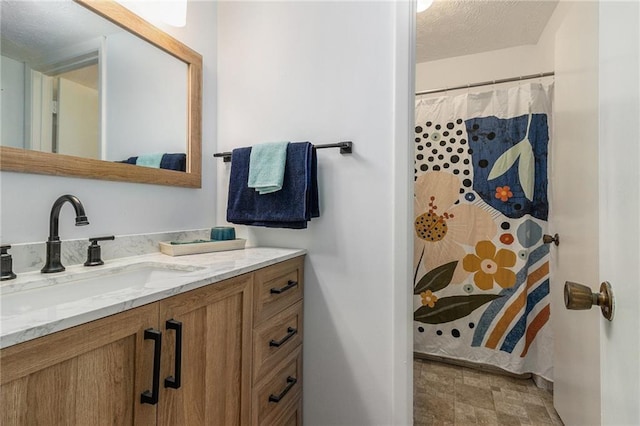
[(149, 160), (266, 166), (176, 162)]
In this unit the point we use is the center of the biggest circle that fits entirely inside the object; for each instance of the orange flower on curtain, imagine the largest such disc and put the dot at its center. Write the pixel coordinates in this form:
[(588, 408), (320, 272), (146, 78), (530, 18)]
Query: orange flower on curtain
[(503, 193), (428, 298), (489, 266), (441, 226)]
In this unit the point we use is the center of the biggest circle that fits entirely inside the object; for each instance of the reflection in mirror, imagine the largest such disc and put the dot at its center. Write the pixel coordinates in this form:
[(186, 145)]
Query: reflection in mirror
[(53, 75), (79, 85), (70, 81), (75, 127), (146, 112)]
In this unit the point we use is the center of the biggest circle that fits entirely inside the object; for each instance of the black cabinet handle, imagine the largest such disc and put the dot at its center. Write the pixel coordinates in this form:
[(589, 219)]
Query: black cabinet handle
[(175, 381), (290, 333), (290, 285), (151, 397), (290, 382)]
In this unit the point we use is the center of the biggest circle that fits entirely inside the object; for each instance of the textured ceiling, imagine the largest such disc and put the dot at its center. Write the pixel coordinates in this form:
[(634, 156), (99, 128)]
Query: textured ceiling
[(30, 29), (462, 27)]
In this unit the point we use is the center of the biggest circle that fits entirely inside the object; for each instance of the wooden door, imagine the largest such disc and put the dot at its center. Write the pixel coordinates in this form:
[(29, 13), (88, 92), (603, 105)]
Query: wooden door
[(214, 371), (78, 119), (91, 374)]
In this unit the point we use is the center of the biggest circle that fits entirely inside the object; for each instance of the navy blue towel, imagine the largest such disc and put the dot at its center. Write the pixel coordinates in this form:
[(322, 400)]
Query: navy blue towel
[(176, 162), (291, 207)]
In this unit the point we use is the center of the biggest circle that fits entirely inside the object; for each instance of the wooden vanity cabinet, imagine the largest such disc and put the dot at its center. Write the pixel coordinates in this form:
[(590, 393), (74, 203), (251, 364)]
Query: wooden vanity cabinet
[(95, 373), (87, 375), (216, 355)]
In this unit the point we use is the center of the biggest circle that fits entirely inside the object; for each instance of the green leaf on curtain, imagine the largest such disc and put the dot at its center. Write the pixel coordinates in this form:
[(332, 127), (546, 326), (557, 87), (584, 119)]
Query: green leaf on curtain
[(505, 161), (436, 279), (452, 308), (526, 169), (526, 166)]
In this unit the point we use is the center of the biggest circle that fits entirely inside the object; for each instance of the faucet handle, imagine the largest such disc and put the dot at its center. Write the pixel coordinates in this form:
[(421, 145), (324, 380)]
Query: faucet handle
[(7, 264), (94, 251), (96, 239)]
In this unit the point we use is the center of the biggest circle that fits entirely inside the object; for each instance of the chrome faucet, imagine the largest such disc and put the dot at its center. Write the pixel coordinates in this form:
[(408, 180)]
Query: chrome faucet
[(53, 263)]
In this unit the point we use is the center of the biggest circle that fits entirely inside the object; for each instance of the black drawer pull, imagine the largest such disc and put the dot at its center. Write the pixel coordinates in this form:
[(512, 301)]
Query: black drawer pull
[(174, 381), (290, 333), (290, 284), (290, 382), (151, 397)]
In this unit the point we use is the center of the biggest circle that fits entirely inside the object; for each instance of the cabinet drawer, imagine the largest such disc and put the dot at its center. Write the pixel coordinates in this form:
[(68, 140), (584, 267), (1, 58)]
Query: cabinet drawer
[(277, 287), (274, 339), (275, 394), (292, 415)]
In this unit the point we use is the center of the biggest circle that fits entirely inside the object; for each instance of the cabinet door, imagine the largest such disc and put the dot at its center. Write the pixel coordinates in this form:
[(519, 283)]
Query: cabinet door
[(91, 374), (214, 371)]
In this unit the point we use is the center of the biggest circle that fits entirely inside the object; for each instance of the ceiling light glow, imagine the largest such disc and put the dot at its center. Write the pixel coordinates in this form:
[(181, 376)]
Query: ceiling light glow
[(424, 5)]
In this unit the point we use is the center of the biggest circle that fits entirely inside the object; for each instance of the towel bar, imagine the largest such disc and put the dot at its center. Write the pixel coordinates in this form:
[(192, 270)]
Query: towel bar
[(346, 147)]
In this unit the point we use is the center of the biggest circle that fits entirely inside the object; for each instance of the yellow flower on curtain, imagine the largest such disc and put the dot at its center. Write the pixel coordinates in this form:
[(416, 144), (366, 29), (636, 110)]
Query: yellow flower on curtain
[(442, 227), (428, 298), (489, 266)]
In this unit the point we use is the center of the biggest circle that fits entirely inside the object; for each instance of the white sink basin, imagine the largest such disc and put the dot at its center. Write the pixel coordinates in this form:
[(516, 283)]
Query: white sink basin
[(50, 291)]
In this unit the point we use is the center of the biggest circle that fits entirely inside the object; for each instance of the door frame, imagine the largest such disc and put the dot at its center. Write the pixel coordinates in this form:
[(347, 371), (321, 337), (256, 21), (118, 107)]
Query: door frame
[(402, 212)]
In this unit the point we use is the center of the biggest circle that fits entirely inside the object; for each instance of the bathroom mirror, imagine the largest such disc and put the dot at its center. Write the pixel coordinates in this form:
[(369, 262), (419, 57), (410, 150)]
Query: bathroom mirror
[(136, 92)]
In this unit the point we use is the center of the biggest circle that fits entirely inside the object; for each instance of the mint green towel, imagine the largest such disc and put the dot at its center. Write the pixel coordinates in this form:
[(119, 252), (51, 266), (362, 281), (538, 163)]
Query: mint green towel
[(149, 160), (266, 166)]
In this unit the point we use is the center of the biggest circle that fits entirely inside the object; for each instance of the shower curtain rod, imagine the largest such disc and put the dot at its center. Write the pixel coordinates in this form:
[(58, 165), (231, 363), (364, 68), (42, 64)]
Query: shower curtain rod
[(488, 83)]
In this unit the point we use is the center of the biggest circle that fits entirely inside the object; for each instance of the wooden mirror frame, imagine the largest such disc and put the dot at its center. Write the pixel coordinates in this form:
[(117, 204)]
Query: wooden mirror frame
[(28, 161)]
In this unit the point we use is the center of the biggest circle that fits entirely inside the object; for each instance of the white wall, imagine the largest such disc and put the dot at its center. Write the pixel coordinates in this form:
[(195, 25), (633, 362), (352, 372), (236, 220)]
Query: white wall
[(325, 72), (12, 123), (116, 207), (495, 64), (157, 125), (619, 115)]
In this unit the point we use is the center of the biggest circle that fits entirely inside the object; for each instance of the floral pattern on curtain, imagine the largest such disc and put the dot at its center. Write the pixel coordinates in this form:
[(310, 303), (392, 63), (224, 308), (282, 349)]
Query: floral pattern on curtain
[(481, 280)]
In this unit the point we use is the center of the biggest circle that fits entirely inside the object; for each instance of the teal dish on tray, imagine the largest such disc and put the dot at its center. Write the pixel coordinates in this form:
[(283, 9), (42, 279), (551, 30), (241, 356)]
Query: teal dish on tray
[(223, 233)]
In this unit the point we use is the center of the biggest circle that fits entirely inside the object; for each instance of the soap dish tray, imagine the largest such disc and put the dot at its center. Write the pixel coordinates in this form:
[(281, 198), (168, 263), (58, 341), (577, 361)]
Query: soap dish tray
[(201, 247)]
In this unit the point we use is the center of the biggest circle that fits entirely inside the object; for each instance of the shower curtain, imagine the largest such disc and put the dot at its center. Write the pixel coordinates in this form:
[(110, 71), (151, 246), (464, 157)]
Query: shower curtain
[(481, 269)]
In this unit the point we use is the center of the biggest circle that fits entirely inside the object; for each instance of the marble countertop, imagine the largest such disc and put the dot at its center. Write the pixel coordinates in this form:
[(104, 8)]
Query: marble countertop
[(198, 270)]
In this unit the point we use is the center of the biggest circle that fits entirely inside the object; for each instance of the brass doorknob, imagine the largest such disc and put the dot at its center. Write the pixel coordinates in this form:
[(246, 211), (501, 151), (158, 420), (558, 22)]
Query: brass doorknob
[(548, 239), (580, 297)]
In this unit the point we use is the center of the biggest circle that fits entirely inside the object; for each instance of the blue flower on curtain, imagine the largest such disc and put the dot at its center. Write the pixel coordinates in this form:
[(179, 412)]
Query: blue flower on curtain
[(509, 159), (529, 233)]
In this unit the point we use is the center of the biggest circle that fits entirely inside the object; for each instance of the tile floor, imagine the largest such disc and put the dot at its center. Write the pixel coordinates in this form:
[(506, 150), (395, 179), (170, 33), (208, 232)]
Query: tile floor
[(450, 395)]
